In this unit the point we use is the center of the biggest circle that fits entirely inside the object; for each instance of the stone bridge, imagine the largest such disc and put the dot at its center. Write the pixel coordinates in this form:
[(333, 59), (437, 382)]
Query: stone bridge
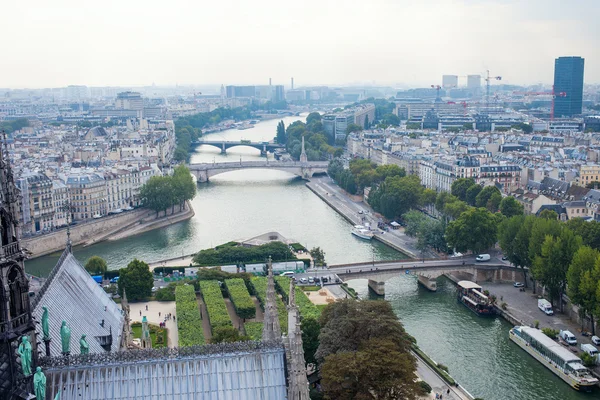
[(427, 272), (305, 170), (264, 147)]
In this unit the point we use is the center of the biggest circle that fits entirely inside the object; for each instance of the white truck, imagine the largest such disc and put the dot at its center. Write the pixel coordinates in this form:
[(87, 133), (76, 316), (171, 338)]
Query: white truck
[(545, 306), (591, 350), (483, 257), (568, 337)]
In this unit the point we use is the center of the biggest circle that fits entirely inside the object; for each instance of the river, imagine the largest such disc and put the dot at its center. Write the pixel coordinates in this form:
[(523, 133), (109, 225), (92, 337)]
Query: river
[(243, 204)]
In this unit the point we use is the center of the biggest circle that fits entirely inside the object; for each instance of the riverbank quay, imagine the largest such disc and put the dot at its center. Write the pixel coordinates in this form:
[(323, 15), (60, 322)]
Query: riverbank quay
[(354, 212), (148, 224), (438, 385)]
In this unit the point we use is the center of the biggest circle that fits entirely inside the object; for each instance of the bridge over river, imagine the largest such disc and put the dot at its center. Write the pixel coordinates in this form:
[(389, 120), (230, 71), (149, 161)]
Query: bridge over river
[(305, 170), (427, 271), (264, 147)]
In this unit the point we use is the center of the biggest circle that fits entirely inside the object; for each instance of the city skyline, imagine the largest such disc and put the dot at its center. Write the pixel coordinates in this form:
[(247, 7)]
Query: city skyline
[(381, 42)]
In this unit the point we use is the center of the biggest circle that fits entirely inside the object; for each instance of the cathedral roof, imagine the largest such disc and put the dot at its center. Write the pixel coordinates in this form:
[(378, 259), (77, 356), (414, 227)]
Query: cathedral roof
[(70, 294)]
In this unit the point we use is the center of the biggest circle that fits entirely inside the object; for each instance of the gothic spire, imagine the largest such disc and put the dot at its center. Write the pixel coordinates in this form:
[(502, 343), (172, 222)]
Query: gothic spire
[(303, 156), (271, 328), (297, 380)]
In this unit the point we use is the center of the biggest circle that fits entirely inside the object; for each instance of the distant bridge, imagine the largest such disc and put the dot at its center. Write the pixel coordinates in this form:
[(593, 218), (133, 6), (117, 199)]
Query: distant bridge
[(305, 170), (466, 268), (264, 147)]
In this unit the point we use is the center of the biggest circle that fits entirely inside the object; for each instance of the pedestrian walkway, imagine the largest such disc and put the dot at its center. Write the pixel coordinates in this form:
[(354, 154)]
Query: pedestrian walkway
[(157, 310), (438, 385)]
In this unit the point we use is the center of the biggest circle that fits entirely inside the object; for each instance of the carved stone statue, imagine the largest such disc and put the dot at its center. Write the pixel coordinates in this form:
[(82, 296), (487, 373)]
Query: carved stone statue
[(24, 351), (39, 384), (45, 324), (84, 347), (65, 337)]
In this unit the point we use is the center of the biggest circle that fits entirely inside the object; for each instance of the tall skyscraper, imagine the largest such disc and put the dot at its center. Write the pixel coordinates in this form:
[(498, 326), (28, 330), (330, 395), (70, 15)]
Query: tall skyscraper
[(568, 79)]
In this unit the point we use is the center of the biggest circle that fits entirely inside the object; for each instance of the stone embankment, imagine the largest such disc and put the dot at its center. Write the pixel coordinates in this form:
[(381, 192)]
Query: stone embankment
[(111, 227)]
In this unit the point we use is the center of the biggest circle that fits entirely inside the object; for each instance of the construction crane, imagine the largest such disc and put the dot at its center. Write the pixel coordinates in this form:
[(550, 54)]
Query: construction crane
[(488, 78), (552, 93), (437, 89)]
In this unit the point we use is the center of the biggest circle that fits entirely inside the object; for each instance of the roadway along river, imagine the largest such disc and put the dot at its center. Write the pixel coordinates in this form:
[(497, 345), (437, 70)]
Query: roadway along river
[(242, 204)]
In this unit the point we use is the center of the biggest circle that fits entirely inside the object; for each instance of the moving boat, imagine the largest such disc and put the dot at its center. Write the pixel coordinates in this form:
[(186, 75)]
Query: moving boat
[(471, 295), (362, 232), (554, 356)]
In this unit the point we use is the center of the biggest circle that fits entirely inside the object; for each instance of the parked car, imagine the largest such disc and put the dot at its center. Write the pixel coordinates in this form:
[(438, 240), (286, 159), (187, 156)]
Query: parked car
[(504, 258), (596, 340), (545, 306), (303, 280), (154, 289), (114, 280), (519, 284), (311, 279)]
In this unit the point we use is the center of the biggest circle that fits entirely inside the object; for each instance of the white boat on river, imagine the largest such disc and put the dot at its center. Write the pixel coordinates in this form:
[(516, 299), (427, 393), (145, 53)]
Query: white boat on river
[(362, 232)]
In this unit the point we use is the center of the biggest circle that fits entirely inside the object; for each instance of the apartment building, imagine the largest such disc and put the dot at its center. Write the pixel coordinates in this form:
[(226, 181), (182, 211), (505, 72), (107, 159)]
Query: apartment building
[(588, 174), (88, 195), (60, 198), (37, 211)]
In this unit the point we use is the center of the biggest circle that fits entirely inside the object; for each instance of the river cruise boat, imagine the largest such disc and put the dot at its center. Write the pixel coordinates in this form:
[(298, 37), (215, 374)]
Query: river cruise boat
[(362, 232), (471, 295), (554, 356)]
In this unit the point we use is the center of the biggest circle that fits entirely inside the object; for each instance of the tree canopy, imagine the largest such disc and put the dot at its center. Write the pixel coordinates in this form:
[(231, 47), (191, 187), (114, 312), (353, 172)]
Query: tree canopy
[(365, 352), (227, 255), (136, 279), (475, 230), (396, 195), (162, 192), (509, 207), (96, 265)]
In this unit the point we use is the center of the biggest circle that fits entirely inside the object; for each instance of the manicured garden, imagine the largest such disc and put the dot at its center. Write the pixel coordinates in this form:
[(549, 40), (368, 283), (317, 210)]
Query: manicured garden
[(215, 304), (305, 306), (240, 298), (189, 324), (157, 335), (254, 330)]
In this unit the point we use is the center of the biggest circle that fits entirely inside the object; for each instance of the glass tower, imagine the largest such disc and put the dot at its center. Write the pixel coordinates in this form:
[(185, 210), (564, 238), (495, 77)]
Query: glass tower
[(568, 78)]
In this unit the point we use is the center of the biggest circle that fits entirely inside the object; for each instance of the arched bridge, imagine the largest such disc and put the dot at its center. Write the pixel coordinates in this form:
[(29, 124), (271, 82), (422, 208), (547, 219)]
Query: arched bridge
[(305, 170), (264, 147), (378, 272)]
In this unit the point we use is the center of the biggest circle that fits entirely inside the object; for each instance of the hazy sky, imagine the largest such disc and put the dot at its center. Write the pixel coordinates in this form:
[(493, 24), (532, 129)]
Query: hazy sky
[(140, 42)]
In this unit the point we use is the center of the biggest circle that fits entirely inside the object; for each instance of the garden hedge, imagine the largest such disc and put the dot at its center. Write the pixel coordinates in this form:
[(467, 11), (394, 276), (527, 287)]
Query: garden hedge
[(259, 287), (240, 298), (215, 305), (189, 324), (254, 330)]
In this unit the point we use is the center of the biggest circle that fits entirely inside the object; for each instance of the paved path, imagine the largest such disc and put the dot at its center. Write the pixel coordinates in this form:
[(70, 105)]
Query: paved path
[(438, 385), (154, 308)]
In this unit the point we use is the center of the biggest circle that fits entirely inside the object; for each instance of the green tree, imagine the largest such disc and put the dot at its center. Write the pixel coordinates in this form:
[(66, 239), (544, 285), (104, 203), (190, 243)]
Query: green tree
[(454, 207), (583, 281), (428, 197), (313, 117), (549, 214), (551, 265), (494, 202), (485, 195), (136, 279), (157, 193), (588, 230), (310, 339), (183, 186), (96, 265), (472, 193), (318, 256), (383, 171), (351, 128), (377, 371), (509, 207), (513, 235), (460, 186), (281, 135), (396, 195), (227, 334), (474, 230), (390, 119), (413, 219)]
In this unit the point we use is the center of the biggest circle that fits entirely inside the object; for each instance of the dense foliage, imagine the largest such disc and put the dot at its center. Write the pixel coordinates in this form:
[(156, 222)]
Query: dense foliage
[(215, 304), (259, 287), (365, 352), (254, 330), (317, 144), (475, 230), (396, 195), (239, 254), (11, 126), (162, 192), (227, 334), (430, 233), (361, 174), (96, 265), (240, 298), (136, 279), (189, 324)]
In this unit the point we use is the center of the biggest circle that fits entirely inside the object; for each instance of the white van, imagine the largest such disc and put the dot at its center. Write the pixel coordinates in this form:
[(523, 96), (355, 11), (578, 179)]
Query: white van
[(483, 257), (545, 306), (568, 337), (289, 274), (591, 350)]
